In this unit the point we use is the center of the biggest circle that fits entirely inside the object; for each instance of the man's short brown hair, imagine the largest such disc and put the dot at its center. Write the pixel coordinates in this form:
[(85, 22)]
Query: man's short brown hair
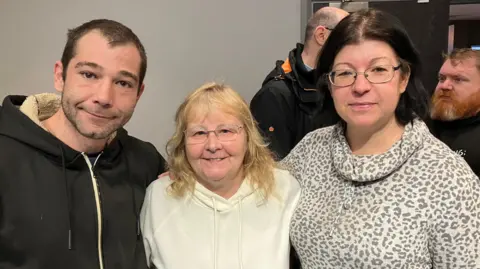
[(116, 34), (458, 55)]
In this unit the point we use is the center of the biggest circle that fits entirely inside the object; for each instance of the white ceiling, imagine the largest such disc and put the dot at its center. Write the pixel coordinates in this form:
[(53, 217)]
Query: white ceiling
[(465, 12)]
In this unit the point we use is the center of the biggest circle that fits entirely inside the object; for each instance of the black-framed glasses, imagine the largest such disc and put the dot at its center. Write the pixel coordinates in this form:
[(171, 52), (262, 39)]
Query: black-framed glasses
[(377, 74), (224, 133)]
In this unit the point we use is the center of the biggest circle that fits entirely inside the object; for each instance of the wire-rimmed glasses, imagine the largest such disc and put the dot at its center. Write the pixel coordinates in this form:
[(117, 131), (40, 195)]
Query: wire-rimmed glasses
[(224, 133), (377, 74)]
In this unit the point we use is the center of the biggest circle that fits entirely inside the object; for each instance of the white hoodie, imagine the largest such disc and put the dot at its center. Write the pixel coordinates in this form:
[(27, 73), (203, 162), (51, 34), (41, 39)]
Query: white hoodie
[(207, 231)]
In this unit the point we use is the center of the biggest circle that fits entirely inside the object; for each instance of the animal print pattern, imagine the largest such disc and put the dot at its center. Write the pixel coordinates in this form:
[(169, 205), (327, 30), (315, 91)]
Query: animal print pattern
[(415, 206)]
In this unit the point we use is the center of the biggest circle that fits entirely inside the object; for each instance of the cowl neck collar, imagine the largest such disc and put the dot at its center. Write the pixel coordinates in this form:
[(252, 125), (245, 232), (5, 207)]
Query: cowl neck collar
[(366, 168)]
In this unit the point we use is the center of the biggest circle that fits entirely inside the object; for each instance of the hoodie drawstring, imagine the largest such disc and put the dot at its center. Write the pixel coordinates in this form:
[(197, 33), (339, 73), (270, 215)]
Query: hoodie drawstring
[(137, 217), (240, 234), (214, 234), (135, 211), (69, 203)]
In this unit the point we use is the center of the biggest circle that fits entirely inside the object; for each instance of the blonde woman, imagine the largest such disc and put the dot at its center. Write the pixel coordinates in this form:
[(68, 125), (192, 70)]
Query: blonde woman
[(226, 206)]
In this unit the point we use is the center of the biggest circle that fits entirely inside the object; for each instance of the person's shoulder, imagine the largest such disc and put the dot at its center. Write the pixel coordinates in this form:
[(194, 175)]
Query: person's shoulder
[(141, 146), (161, 183), (328, 130), (275, 84), (160, 205), (324, 134), (159, 188), (446, 177), (273, 89), (142, 154), (445, 164), (286, 183), (313, 142), (143, 150)]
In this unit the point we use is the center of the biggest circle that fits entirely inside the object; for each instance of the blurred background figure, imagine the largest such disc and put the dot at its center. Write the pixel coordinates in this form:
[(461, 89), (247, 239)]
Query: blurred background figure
[(456, 105), (288, 105)]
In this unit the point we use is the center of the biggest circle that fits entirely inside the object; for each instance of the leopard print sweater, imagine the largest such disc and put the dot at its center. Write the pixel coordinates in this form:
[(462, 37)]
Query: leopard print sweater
[(415, 206)]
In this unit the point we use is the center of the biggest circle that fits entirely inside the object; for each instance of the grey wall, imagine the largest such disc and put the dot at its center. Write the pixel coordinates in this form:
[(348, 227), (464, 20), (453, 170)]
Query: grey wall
[(188, 42)]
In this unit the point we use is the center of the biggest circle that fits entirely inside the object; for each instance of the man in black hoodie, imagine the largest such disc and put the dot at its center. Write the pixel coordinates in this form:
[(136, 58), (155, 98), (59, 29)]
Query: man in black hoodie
[(288, 106), (72, 181), (456, 105)]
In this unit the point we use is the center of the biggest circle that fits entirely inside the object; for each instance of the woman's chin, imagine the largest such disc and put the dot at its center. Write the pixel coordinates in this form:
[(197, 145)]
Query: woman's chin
[(215, 176), (365, 121)]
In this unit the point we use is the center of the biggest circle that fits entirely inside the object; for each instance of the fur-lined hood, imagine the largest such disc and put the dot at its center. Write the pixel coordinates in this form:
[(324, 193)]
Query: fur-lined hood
[(40, 107)]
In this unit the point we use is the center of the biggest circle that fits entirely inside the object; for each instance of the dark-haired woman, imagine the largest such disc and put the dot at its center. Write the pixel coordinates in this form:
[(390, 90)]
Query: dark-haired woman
[(378, 190)]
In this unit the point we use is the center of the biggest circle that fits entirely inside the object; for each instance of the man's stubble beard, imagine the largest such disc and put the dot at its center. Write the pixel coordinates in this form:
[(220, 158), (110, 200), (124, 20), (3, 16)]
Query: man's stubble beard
[(71, 112)]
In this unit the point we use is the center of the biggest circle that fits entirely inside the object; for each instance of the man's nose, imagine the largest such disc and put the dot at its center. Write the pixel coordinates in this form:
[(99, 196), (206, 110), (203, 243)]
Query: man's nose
[(104, 94)]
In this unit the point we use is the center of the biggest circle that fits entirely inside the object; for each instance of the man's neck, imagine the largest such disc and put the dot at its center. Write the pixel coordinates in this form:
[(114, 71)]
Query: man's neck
[(309, 56), (378, 141), (60, 127)]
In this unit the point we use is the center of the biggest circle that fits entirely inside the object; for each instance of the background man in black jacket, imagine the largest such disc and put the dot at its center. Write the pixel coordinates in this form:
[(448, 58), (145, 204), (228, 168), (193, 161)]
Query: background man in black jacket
[(72, 181), (288, 106), (456, 105)]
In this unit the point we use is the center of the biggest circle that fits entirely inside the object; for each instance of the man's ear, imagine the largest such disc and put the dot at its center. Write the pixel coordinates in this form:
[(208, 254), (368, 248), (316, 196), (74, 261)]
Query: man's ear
[(320, 35), (58, 76), (140, 91)]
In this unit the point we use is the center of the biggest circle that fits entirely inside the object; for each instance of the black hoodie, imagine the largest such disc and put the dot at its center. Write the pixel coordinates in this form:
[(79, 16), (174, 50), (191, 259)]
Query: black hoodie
[(56, 212), (461, 136), (288, 106)]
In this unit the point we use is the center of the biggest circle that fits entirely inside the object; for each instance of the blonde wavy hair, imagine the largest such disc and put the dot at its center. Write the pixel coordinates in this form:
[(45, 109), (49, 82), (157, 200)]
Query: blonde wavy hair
[(258, 163)]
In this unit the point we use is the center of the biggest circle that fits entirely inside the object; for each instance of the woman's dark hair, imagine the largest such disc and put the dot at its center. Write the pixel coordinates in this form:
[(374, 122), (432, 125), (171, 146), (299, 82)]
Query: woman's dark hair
[(372, 24)]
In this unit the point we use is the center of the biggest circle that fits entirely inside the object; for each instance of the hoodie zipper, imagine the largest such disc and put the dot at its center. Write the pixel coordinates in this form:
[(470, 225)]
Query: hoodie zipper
[(96, 193)]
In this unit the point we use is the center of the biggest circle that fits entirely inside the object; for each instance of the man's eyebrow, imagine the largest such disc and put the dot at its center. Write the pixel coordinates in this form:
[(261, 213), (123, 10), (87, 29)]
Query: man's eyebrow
[(130, 75), (90, 64), (97, 66), (452, 75)]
